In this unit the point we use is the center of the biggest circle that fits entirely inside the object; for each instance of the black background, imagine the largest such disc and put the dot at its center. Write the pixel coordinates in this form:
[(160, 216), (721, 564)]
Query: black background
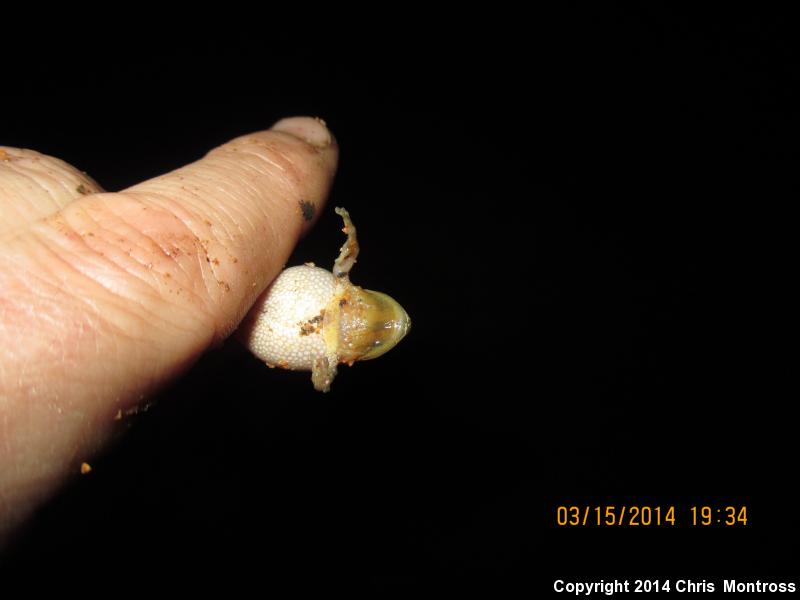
[(587, 216)]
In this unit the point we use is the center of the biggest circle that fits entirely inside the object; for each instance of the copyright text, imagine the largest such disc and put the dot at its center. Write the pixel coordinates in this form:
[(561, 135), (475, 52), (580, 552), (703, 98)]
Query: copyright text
[(616, 586)]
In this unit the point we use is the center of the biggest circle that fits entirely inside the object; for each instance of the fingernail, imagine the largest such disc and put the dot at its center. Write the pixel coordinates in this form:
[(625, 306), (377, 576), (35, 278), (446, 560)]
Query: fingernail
[(312, 130)]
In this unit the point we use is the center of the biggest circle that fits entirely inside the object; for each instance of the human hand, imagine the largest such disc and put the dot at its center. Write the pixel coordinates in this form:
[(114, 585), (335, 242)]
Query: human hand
[(105, 297)]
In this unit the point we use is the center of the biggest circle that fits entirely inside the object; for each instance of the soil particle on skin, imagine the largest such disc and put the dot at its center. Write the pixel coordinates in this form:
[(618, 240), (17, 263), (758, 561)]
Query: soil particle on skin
[(307, 210), (82, 190), (313, 325)]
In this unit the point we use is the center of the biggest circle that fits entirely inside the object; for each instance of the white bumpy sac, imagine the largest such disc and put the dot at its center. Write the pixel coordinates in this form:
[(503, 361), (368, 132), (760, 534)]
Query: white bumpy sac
[(284, 320)]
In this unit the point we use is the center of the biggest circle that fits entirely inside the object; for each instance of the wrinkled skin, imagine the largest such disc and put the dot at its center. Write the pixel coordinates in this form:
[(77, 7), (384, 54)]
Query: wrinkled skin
[(104, 297)]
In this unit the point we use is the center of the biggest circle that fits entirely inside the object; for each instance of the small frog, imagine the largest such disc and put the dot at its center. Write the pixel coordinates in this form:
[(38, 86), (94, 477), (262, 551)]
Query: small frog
[(312, 319)]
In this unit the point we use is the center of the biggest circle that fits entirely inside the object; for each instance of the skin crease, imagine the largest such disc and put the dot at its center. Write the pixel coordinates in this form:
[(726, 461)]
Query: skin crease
[(105, 297)]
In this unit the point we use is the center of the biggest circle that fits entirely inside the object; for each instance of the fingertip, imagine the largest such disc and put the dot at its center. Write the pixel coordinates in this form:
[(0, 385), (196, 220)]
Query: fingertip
[(312, 130)]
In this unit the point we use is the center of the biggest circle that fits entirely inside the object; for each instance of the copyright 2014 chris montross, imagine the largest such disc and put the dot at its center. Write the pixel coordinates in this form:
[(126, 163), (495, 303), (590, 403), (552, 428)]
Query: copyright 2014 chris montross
[(621, 586)]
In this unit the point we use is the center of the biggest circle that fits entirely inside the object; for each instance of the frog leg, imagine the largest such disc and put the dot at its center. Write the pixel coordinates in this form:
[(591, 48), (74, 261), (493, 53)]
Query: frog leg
[(322, 373), (349, 251)]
